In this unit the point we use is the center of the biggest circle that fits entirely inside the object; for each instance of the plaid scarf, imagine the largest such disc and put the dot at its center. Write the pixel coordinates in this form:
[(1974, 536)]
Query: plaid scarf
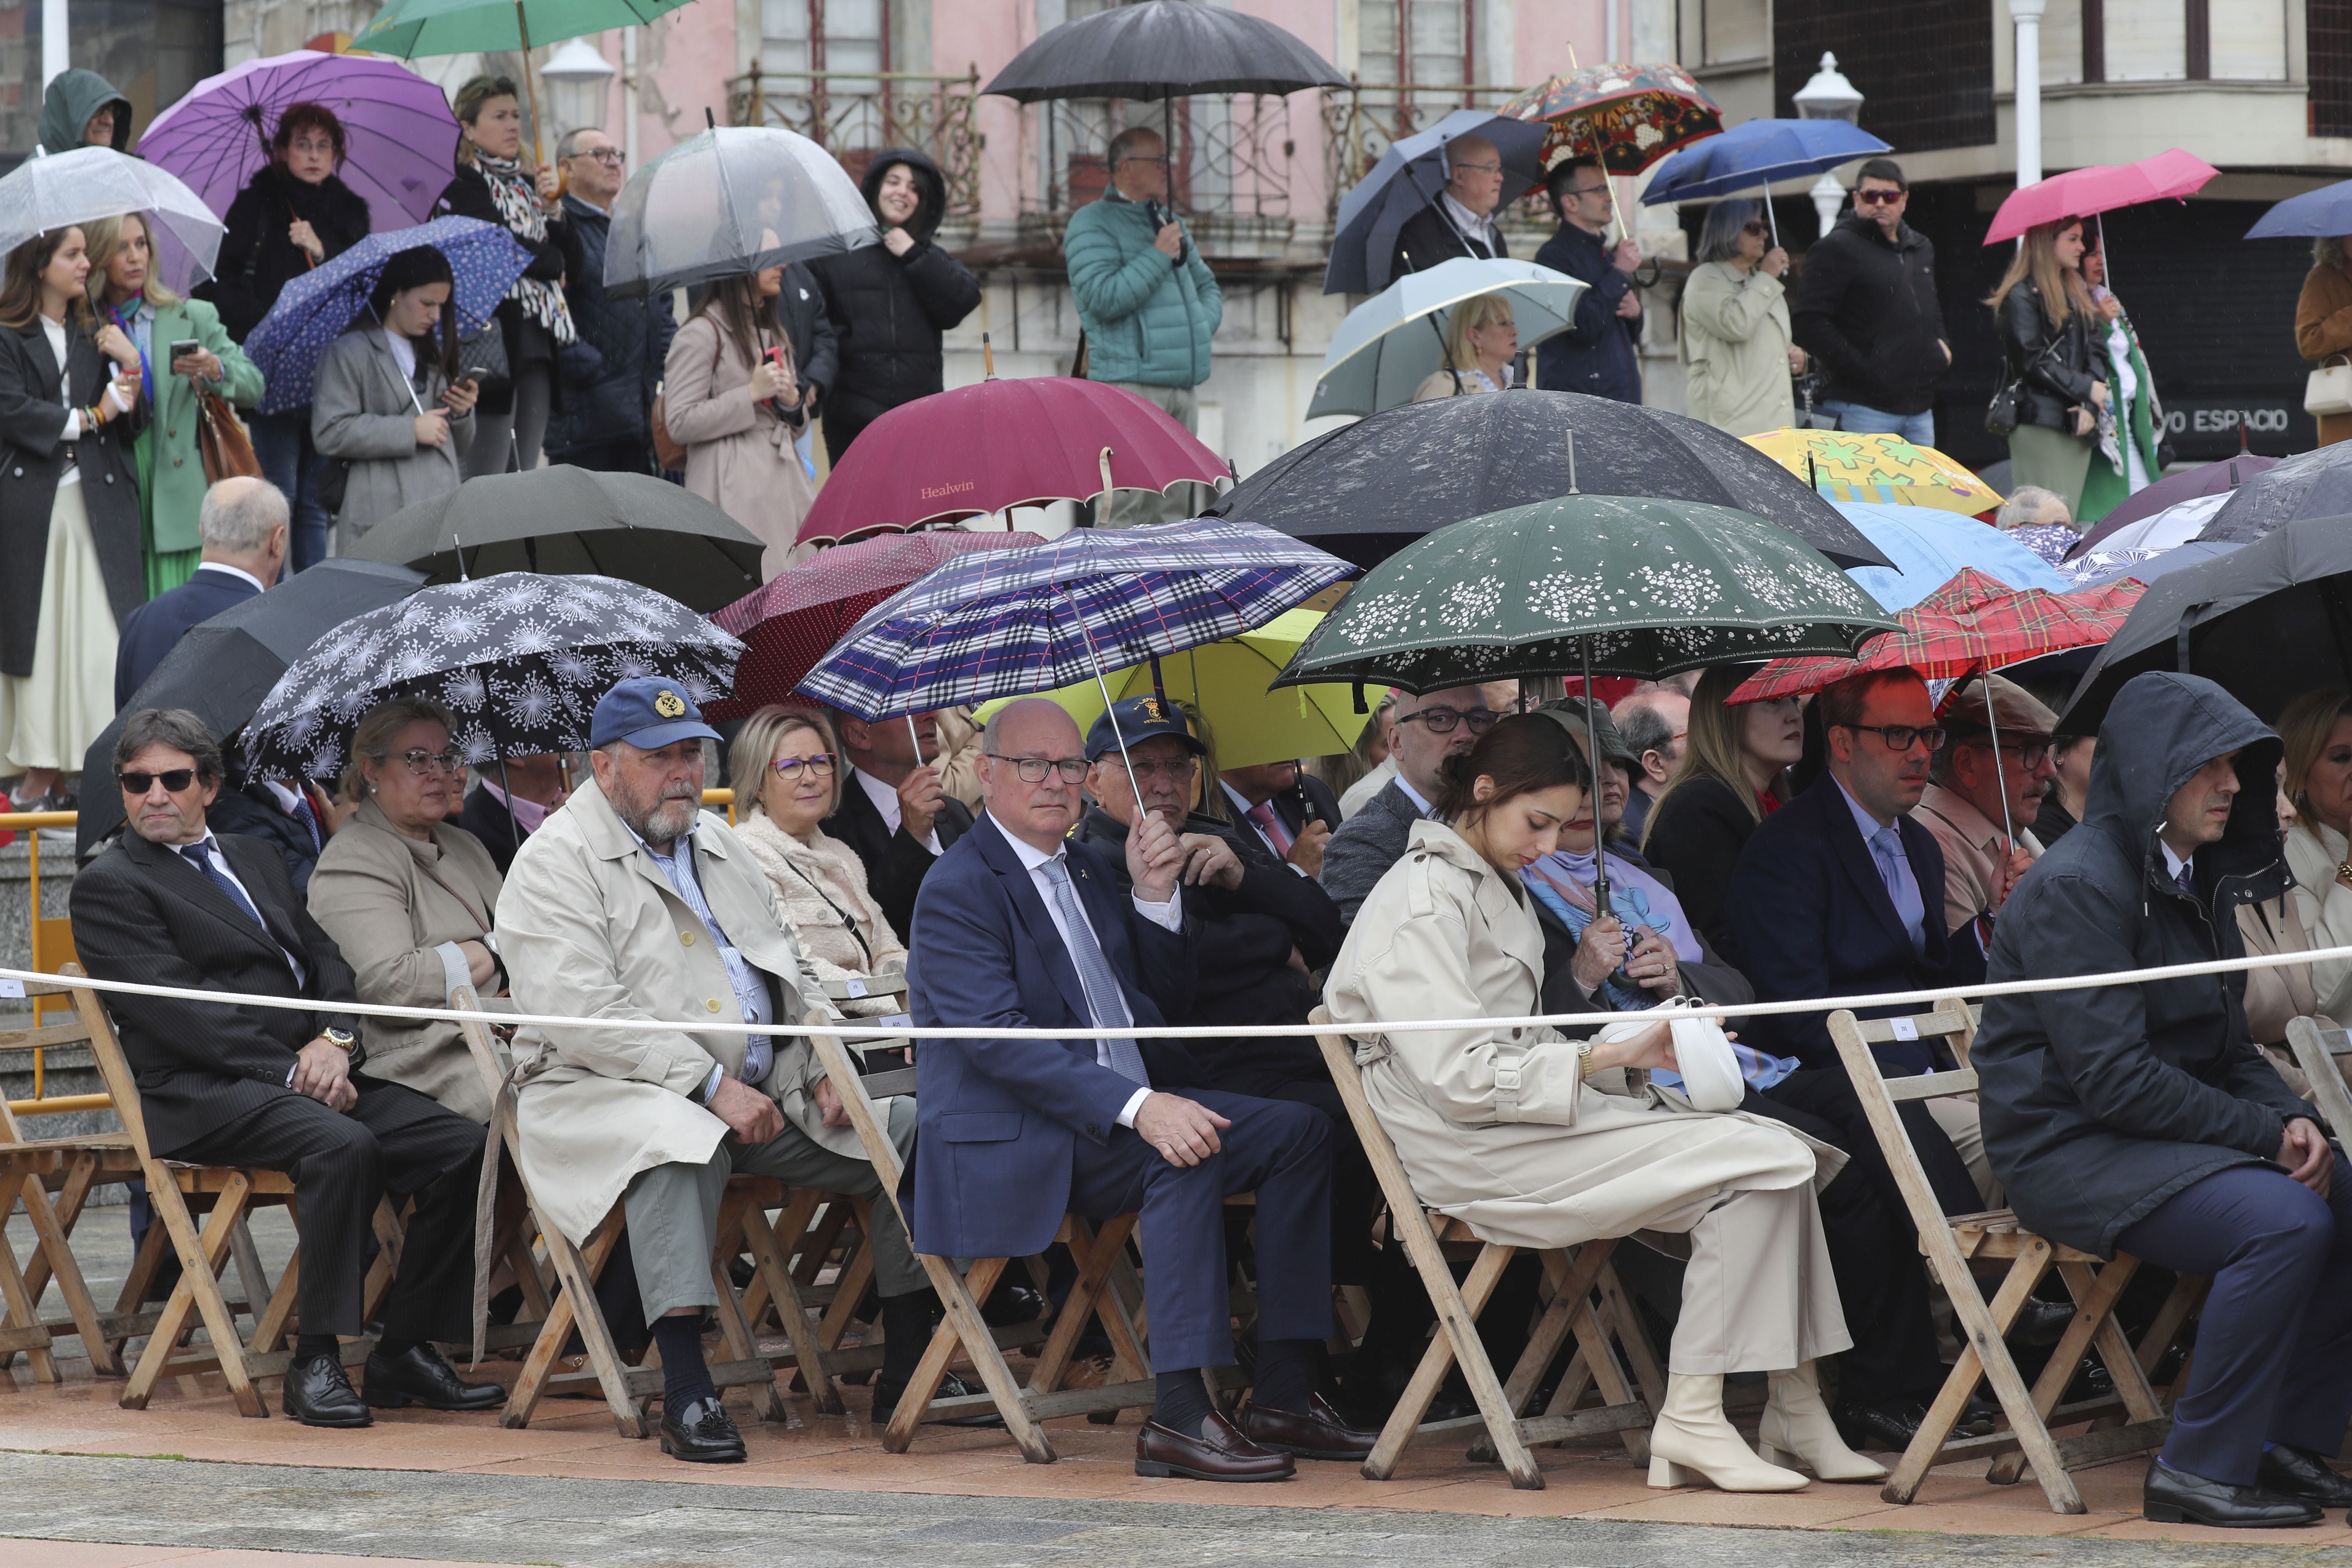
[(516, 200)]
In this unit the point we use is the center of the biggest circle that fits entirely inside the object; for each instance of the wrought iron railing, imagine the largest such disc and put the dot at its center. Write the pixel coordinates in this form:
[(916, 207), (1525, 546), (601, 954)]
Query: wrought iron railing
[(856, 114), (1360, 122), (1234, 155)]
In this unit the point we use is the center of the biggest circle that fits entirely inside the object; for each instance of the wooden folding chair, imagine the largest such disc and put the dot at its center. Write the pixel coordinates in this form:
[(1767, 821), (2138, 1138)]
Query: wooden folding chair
[(2317, 1051), (1573, 1276), (1950, 1242)]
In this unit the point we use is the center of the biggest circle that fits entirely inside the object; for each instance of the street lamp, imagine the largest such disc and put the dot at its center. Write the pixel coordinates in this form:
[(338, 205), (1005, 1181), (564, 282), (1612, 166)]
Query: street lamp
[(576, 74), (1829, 96)]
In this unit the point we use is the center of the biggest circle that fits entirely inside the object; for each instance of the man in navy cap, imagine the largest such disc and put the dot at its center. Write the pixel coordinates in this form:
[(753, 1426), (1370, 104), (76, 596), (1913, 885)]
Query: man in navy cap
[(631, 903)]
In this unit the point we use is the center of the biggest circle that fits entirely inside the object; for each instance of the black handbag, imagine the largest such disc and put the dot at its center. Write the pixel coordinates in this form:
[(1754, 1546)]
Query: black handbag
[(486, 351), (2000, 414)]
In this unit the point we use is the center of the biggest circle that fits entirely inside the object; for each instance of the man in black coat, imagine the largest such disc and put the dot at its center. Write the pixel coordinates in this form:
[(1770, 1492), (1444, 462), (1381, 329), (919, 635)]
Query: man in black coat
[(1865, 308), (173, 904), (1461, 221), (1595, 355), (502, 821), (609, 374), (289, 820), (2141, 1119), (243, 526), (894, 815)]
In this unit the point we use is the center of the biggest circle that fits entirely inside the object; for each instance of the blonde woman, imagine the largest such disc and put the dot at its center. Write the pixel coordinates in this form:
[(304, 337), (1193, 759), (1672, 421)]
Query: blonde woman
[(2318, 729), (1735, 337), (1481, 341), (1733, 774), (2044, 310)]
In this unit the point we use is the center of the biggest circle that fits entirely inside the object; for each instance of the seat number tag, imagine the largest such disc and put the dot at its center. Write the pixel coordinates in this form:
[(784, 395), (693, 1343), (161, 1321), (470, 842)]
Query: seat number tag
[(1904, 1028)]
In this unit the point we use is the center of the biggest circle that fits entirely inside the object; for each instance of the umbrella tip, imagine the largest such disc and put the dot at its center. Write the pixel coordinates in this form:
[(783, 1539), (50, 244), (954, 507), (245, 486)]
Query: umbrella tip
[(709, 120)]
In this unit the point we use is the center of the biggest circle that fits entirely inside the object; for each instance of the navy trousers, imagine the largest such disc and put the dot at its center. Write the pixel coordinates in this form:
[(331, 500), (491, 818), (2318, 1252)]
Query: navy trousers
[(1278, 1149), (2273, 1359)]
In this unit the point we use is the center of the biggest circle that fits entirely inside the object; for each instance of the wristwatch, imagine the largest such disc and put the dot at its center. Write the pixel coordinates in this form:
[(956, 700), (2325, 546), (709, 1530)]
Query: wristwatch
[(341, 1038)]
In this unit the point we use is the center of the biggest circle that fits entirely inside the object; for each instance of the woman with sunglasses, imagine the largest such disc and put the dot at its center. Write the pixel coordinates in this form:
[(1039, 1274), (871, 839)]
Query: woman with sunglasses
[(409, 897), (1735, 341)]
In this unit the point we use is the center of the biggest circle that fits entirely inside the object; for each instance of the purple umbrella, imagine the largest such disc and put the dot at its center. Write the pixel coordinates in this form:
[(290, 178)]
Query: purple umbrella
[(2170, 490), (400, 138)]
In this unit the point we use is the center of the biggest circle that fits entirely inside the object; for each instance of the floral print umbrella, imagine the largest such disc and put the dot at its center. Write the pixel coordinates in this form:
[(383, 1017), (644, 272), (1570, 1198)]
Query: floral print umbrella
[(518, 659), (1629, 116)]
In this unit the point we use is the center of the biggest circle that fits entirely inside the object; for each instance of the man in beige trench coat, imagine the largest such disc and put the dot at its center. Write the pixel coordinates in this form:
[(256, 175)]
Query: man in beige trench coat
[(631, 903)]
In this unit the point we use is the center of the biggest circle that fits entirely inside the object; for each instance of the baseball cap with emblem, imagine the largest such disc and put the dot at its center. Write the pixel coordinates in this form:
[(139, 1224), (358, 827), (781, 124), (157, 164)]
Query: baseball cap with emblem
[(1139, 719), (648, 712)]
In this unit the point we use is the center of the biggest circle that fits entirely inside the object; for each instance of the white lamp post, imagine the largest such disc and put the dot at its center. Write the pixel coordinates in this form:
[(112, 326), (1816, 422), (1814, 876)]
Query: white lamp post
[(2027, 15), (576, 74), (1829, 96)]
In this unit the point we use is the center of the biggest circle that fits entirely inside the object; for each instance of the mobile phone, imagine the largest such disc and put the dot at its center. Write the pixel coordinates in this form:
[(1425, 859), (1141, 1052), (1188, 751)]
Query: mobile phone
[(183, 347), (477, 373)]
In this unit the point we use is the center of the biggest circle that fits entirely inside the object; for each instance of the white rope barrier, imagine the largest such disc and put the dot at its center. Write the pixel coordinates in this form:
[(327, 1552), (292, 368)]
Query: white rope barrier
[(865, 1029)]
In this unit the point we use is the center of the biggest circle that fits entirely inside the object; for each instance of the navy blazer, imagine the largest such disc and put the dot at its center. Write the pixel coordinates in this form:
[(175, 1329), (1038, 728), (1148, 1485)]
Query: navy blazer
[(155, 627), (1809, 917), (996, 1120)]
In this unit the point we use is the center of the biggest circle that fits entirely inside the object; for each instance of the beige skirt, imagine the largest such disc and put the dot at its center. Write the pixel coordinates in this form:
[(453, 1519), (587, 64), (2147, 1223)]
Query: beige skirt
[(48, 719)]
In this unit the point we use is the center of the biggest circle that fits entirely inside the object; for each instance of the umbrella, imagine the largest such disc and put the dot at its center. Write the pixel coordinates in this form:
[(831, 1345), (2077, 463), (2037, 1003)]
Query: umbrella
[(2176, 525), (2185, 484), (2104, 566), (1846, 465), (2325, 211), (43, 193), (1409, 177), (2269, 621), (1388, 343), (562, 521), (2102, 187), (519, 659), (1627, 116), (1000, 444), (1366, 489), (316, 309), (1756, 153), (1930, 547), (222, 669), (400, 137), (1160, 49), (788, 624), (2318, 483), (733, 200)]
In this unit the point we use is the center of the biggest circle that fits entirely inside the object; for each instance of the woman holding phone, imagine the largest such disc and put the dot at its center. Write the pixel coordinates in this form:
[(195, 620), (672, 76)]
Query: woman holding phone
[(389, 406), (731, 398), (181, 342)]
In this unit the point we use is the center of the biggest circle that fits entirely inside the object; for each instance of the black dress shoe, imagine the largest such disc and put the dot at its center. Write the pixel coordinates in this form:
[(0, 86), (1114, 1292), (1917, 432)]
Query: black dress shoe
[(1979, 1417), (1009, 1304), (2176, 1497), (317, 1394), (1884, 1425), (2041, 1323), (418, 1376), (701, 1434), (2288, 1472), (1318, 1434), (1219, 1453), (887, 1389)]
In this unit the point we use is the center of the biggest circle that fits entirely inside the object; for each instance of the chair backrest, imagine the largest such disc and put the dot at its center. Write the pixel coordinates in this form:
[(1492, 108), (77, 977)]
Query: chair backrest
[(1340, 1057), (39, 1039), (2316, 1051), (1880, 1095), (113, 1066)]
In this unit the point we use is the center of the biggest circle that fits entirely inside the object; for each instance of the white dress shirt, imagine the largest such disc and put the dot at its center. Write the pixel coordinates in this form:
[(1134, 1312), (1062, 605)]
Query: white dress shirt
[(2173, 864), (222, 566), (1470, 225), (886, 800), (1412, 795)]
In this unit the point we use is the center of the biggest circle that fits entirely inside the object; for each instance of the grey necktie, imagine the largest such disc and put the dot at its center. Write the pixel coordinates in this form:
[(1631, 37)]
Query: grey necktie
[(1103, 998)]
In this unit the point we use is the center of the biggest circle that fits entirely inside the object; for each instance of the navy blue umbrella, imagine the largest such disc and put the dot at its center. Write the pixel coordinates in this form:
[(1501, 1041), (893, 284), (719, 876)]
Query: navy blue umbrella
[(1408, 176), (2328, 210), (1757, 152)]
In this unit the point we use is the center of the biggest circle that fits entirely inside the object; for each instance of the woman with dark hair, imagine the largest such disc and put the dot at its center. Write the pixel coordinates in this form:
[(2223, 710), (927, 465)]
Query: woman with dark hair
[(1535, 1140), (731, 398), (295, 212), (2045, 313), (1736, 340), (69, 538), (533, 319), (387, 401)]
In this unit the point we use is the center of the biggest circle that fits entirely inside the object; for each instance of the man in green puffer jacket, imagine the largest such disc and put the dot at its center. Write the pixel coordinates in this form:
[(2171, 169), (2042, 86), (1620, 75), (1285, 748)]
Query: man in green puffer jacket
[(1145, 297), (70, 111)]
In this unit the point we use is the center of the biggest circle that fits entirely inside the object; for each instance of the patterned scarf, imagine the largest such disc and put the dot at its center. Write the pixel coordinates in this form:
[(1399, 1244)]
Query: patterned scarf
[(518, 203)]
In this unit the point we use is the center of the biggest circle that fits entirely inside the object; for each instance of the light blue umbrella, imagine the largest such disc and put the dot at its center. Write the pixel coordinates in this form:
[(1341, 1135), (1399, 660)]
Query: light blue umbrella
[(1755, 153), (1409, 177), (1392, 340), (1929, 548), (2328, 210)]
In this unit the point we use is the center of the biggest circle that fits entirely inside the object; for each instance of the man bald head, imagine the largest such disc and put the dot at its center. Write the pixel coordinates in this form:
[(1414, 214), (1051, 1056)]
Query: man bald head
[(1473, 173), (1033, 735)]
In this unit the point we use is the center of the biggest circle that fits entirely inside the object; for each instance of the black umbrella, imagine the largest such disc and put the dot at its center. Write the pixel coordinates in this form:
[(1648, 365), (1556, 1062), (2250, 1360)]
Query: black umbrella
[(1366, 490), (2269, 621), (2310, 484), (222, 670), (564, 521)]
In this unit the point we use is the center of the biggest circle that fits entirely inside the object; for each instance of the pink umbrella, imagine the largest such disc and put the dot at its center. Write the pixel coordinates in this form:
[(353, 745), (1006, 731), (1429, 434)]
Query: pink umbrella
[(2102, 187)]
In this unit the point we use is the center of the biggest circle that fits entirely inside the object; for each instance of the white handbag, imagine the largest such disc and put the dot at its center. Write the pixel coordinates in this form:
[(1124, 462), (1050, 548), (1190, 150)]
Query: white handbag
[(2328, 389), (1709, 1067)]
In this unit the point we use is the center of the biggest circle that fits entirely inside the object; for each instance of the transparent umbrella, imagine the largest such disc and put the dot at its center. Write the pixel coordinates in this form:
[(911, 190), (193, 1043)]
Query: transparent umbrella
[(45, 192), (1392, 340), (735, 199)]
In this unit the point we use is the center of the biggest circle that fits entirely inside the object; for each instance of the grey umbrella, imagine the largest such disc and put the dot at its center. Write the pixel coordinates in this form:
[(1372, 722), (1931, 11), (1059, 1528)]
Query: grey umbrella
[(2311, 484), (566, 521), (1410, 175), (735, 199)]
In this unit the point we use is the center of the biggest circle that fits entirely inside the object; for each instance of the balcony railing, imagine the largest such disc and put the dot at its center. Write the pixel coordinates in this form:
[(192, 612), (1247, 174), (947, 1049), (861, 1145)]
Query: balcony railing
[(1232, 160), (1360, 122), (856, 114)]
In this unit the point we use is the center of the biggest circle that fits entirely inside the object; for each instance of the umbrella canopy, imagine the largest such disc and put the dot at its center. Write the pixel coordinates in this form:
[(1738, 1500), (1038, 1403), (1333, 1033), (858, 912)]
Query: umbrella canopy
[(1758, 153), (222, 669), (1969, 624), (2318, 483), (735, 199), (1629, 116), (1846, 465), (2186, 484), (1409, 177), (1590, 584), (1000, 444), (2102, 187), (45, 192), (409, 28), (788, 624), (2104, 566), (1162, 49), (1367, 489), (316, 309), (1388, 343), (2328, 210), (400, 138), (519, 659), (564, 521), (2267, 621), (2175, 525), (1929, 548), (1005, 623)]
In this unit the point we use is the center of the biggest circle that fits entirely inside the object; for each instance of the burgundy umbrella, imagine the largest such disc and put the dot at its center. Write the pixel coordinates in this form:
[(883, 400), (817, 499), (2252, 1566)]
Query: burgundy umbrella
[(2172, 491)]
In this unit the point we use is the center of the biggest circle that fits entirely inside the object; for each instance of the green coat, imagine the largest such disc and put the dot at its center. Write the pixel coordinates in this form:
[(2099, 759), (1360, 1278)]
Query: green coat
[(1147, 319), (176, 489)]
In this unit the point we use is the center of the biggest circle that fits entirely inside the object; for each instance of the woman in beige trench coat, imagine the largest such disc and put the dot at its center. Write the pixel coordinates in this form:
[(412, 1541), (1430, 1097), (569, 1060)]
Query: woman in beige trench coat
[(1507, 1129), (737, 412)]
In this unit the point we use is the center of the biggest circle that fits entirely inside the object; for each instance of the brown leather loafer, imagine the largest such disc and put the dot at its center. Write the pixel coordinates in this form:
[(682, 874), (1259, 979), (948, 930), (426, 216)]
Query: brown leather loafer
[(1219, 1453), (1320, 1433)]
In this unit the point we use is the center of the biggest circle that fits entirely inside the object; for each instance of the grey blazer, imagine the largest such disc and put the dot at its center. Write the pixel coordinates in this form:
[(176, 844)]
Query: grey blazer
[(363, 410), (1366, 845)]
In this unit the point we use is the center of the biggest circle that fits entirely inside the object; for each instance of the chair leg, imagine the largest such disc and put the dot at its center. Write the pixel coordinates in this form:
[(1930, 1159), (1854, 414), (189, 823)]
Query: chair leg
[(774, 1278), (23, 1311), (1095, 1254), (964, 1327), (198, 1290), (741, 1346), (52, 1225), (576, 1303), (2094, 1300)]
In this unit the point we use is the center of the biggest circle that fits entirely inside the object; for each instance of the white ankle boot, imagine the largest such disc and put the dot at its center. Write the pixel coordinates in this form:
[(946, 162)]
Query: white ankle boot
[(1797, 1429), (1692, 1442)]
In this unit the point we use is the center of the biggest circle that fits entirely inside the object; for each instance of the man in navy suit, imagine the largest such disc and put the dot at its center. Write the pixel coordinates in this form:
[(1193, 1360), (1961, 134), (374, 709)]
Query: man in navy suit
[(1018, 926), (243, 528)]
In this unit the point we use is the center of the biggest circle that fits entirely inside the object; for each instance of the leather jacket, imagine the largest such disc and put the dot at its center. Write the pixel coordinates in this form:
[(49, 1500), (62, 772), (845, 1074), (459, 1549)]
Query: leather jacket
[(2057, 363)]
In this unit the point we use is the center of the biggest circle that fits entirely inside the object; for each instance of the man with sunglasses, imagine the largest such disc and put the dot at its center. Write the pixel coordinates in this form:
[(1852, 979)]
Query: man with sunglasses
[(1430, 727), (1985, 784), (1461, 221), (172, 903), (1866, 310)]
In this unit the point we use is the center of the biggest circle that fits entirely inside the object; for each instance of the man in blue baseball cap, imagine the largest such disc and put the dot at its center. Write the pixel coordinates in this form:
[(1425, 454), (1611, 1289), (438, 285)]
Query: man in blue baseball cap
[(631, 903)]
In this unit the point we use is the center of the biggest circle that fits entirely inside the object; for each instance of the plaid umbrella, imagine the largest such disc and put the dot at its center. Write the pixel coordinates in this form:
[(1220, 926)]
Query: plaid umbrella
[(1972, 623), (1844, 465), (1630, 116)]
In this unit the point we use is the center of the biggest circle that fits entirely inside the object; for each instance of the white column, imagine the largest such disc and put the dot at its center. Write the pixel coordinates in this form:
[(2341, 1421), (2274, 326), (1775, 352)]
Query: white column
[(629, 96), (55, 56), (2027, 15)]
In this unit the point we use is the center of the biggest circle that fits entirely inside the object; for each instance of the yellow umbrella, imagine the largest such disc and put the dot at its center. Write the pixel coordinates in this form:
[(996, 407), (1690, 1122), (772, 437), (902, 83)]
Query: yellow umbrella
[(1846, 465), (1228, 681)]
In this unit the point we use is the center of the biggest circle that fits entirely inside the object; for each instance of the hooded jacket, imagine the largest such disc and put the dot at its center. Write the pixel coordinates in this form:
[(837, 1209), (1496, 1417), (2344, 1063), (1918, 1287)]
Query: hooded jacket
[(2101, 1103), (67, 106), (1867, 308), (889, 310)]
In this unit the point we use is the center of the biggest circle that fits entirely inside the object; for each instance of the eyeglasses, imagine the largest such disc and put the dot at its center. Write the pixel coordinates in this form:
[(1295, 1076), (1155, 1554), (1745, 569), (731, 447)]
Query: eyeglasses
[(1174, 769), (1033, 770), (175, 781), (1441, 721), (421, 761), (610, 157), (1480, 168), (1600, 189), (2027, 757), (820, 765), (1898, 737), (1879, 198), (1757, 230)]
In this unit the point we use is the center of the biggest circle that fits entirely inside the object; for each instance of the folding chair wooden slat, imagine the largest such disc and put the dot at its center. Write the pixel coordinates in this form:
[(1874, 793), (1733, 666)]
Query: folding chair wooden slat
[(2315, 1052)]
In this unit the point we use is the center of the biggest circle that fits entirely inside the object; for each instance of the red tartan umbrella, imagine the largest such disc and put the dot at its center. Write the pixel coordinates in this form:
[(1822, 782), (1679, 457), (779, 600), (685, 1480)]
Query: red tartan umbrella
[(788, 623), (1969, 624)]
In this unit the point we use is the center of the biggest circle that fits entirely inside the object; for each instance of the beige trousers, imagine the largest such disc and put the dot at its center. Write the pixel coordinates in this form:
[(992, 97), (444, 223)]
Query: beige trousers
[(1758, 1293), (1956, 1115)]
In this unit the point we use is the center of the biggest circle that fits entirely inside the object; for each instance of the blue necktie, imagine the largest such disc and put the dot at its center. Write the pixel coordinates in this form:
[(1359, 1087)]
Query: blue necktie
[(2186, 880), (1886, 848), (1103, 998), (309, 818), (197, 857)]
